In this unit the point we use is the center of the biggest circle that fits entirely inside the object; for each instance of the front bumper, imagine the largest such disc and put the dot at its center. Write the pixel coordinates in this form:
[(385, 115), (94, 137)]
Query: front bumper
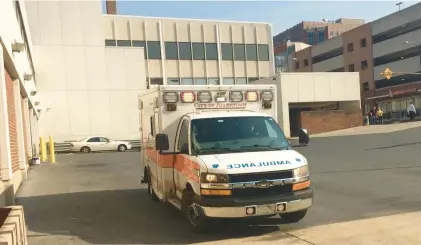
[(236, 208)]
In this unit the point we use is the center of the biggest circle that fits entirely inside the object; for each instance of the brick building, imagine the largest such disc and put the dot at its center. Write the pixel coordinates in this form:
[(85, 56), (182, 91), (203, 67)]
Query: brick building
[(18, 115)]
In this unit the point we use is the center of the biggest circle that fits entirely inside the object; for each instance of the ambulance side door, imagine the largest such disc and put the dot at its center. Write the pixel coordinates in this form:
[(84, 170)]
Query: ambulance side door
[(181, 160)]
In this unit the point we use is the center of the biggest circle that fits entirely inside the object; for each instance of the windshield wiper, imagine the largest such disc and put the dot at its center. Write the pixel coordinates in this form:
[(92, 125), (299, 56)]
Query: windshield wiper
[(218, 149), (263, 146)]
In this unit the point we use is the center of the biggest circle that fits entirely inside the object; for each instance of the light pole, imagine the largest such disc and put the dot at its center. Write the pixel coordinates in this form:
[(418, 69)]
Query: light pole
[(399, 5)]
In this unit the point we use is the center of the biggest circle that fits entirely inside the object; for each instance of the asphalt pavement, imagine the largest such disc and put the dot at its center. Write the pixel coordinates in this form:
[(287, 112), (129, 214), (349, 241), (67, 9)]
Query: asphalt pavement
[(97, 198)]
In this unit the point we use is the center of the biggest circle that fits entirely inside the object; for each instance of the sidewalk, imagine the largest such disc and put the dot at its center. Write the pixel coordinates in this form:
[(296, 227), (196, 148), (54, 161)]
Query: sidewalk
[(371, 129)]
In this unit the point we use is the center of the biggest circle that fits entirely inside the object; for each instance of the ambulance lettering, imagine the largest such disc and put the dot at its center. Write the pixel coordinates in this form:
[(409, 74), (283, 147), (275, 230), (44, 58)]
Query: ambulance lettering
[(260, 164)]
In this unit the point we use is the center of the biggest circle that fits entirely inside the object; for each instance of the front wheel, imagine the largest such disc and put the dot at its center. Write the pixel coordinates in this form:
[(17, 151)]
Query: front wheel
[(198, 222), (122, 148), (294, 217)]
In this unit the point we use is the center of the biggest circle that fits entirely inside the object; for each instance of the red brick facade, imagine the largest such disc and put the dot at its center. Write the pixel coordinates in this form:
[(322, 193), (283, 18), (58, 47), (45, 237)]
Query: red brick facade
[(14, 146), (25, 138), (324, 121)]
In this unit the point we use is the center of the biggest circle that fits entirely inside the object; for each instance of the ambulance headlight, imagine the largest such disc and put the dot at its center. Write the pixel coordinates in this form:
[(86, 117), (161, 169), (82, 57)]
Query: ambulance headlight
[(214, 178), (170, 97), (301, 171)]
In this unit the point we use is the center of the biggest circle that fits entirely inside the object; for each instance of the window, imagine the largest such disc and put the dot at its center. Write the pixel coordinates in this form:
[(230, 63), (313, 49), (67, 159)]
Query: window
[(184, 50), (154, 50), (363, 43), (239, 52), (200, 81), (252, 79), (186, 81), (321, 37), (211, 51), (173, 81), (151, 125), (156, 81), (228, 81), (350, 47), (366, 86), (364, 64), (251, 50), (306, 62), (328, 55), (171, 51), (101, 139), (351, 68), (263, 52), (213, 81), (241, 80), (198, 51), (227, 134), (227, 51), (109, 42), (311, 38), (183, 140), (93, 140), (140, 44), (124, 43)]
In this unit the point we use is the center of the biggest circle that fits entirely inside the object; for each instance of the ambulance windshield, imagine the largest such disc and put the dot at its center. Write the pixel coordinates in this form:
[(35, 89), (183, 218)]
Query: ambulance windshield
[(236, 134)]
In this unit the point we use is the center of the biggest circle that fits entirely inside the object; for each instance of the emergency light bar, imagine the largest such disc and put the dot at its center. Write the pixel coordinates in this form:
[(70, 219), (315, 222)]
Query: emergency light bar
[(187, 97), (236, 96), (267, 96), (204, 96), (170, 97), (251, 96)]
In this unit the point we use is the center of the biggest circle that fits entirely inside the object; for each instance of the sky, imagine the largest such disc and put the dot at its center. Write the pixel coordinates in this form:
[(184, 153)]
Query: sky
[(282, 14)]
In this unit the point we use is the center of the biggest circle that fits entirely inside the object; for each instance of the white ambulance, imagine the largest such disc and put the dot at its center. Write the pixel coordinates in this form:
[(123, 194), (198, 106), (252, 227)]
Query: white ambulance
[(217, 152)]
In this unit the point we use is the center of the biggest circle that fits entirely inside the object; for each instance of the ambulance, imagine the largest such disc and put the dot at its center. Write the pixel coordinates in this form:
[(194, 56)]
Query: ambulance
[(216, 151)]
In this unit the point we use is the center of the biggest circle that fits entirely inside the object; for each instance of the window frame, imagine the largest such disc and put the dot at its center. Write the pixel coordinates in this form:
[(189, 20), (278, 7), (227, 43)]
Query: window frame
[(185, 123)]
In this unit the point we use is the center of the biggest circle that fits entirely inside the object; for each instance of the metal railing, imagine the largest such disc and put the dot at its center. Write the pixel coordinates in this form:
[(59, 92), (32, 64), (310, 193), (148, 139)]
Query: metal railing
[(62, 147)]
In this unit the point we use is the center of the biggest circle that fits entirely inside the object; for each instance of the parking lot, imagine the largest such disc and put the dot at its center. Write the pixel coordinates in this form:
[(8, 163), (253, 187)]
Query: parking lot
[(97, 198)]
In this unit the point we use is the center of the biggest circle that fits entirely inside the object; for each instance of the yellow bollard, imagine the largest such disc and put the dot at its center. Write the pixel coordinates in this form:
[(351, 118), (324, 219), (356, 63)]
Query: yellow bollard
[(52, 152), (43, 149)]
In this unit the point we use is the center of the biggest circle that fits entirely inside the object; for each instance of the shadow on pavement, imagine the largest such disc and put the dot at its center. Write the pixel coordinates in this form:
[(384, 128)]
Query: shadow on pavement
[(124, 217)]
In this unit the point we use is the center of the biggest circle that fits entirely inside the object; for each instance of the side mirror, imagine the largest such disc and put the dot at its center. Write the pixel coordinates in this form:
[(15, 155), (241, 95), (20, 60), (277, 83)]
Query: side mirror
[(161, 142), (303, 136)]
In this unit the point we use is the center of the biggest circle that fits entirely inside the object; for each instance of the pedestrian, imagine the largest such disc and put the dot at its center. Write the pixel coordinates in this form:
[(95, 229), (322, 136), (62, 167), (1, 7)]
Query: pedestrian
[(411, 111)]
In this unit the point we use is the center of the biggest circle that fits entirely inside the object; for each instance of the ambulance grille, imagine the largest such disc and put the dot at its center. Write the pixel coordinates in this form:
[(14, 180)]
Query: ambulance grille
[(252, 177), (262, 192)]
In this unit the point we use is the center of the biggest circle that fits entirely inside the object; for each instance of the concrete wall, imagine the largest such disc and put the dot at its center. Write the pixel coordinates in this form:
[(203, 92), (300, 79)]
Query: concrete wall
[(86, 88), (148, 29), (313, 87)]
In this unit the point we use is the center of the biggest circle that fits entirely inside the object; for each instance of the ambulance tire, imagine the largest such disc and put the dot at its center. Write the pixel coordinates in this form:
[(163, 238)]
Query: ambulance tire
[(198, 223), (294, 217), (150, 189)]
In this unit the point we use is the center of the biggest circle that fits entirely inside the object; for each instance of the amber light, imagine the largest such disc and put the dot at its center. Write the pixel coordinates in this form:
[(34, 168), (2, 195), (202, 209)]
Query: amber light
[(300, 186), (207, 192), (187, 97), (251, 96)]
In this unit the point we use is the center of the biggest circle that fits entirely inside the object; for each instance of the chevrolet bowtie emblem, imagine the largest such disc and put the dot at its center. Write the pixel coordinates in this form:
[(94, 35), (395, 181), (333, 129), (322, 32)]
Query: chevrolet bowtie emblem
[(263, 184)]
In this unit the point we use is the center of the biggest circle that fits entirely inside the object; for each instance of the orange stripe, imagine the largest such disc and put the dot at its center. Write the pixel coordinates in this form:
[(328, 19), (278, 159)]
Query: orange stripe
[(182, 163)]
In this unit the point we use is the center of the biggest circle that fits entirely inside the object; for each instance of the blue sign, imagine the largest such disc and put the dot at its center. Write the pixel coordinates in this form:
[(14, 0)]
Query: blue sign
[(215, 166), (260, 164)]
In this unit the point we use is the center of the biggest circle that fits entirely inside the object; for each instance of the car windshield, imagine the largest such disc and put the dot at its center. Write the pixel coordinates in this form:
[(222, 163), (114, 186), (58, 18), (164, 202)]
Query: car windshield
[(236, 134)]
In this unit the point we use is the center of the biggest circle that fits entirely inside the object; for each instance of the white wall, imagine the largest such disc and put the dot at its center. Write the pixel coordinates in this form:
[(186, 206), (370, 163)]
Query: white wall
[(86, 89)]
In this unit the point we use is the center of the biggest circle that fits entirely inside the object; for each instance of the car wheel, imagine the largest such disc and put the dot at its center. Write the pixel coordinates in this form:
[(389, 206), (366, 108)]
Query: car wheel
[(198, 222), (294, 217), (85, 149), (122, 148)]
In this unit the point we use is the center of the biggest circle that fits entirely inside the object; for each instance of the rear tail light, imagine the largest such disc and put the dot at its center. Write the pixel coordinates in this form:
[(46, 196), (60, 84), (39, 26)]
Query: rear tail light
[(236, 96), (204, 97), (267, 96), (170, 97), (187, 97), (251, 96)]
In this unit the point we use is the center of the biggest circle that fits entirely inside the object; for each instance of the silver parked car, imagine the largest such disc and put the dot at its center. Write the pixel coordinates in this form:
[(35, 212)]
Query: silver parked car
[(89, 144)]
